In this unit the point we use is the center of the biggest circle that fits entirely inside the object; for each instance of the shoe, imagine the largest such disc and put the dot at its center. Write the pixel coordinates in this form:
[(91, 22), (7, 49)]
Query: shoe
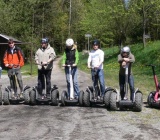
[(101, 98), (76, 97), (21, 95), (71, 98), (12, 95)]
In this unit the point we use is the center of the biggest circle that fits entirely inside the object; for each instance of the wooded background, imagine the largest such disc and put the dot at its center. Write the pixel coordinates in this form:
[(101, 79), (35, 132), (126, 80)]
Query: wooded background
[(113, 22)]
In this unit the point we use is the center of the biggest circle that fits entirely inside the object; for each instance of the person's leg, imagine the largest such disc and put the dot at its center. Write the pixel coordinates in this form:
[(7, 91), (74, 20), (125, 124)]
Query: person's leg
[(131, 85), (10, 79), (19, 79), (101, 81), (94, 74), (67, 80), (121, 85), (40, 81), (48, 80), (75, 81)]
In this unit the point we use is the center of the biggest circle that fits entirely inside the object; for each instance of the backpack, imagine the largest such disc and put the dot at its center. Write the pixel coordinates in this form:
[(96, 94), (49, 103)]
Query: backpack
[(19, 49)]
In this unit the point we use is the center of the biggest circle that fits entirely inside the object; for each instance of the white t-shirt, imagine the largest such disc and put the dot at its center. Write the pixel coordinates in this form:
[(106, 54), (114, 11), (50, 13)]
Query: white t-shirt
[(96, 58)]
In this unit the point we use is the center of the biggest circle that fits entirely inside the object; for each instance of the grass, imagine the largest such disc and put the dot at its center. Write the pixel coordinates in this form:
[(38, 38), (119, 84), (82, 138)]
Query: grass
[(142, 74)]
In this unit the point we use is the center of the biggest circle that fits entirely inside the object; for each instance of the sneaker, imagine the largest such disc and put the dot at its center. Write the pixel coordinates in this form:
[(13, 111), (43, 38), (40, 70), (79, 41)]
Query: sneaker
[(76, 97), (21, 95), (12, 94)]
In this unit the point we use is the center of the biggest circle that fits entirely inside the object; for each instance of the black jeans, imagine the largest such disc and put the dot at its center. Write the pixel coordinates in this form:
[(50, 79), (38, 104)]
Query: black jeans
[(41, 80), (122, 85)]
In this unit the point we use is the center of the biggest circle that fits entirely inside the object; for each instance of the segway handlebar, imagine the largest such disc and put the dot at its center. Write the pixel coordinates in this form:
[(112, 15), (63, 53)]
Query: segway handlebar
[(41, 64), (13, 66), (69, 66), (151, 65)]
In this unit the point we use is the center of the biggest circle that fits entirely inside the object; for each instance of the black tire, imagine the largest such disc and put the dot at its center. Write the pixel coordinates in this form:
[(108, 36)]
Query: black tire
[(64, 97), (81, 93), (113, 101), (6, 98), (55, 97), (86, 99), (150, 99), (138, 102), (33, 97), (107, 99), (26, 96), (0, 95)]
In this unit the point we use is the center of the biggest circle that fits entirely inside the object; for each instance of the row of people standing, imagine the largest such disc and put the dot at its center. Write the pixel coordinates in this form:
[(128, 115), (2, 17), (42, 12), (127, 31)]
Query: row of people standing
[(45, 55)]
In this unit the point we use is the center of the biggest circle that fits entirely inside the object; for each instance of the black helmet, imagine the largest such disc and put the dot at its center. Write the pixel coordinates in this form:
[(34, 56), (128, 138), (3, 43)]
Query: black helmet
[(96, 42), (44, 40)]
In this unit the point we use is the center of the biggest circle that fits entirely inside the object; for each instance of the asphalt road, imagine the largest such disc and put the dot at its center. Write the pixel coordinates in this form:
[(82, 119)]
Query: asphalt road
[(45, 122)]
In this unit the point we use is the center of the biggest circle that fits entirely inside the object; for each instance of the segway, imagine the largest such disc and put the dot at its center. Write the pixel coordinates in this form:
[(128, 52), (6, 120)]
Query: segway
[(68, 98), (154, 96), (92, 95), (11, 95), (38, 97), (116, 103)]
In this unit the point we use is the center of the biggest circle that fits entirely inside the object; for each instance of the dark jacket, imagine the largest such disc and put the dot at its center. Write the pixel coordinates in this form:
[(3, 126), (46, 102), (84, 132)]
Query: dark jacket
[(70, 56)]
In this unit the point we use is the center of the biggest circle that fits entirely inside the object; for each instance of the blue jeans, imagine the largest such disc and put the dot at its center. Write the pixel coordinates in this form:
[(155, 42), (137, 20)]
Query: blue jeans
[(122, 85), (98, 76), (75, 80)]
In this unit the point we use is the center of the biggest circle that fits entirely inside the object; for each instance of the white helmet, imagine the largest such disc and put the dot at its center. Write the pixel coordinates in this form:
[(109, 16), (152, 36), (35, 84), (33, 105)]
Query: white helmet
[(125, 49), (69, 42)]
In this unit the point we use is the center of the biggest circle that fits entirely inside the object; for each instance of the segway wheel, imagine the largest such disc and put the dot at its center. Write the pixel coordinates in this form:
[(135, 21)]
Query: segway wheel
[(113, 101), (86, 99), (64, 97), (0, 96), (138, 102), (27, 96), (55, 97), (107, 99), (6, 98), (150, 99), (33, 97), (81, 98)]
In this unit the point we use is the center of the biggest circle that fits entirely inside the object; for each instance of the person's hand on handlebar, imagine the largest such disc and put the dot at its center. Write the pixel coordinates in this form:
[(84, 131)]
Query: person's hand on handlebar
[(7, 65), (63, 65), (73, 65), (44, 63)]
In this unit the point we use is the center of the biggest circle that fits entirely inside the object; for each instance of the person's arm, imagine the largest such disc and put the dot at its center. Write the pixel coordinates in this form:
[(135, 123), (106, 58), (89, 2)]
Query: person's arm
[(131, 58), (64, 59), (5, 60), (89, 61), (52, 56), (21, 60), (101, 58), (36, 57), (120, 59), (77, 57)]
